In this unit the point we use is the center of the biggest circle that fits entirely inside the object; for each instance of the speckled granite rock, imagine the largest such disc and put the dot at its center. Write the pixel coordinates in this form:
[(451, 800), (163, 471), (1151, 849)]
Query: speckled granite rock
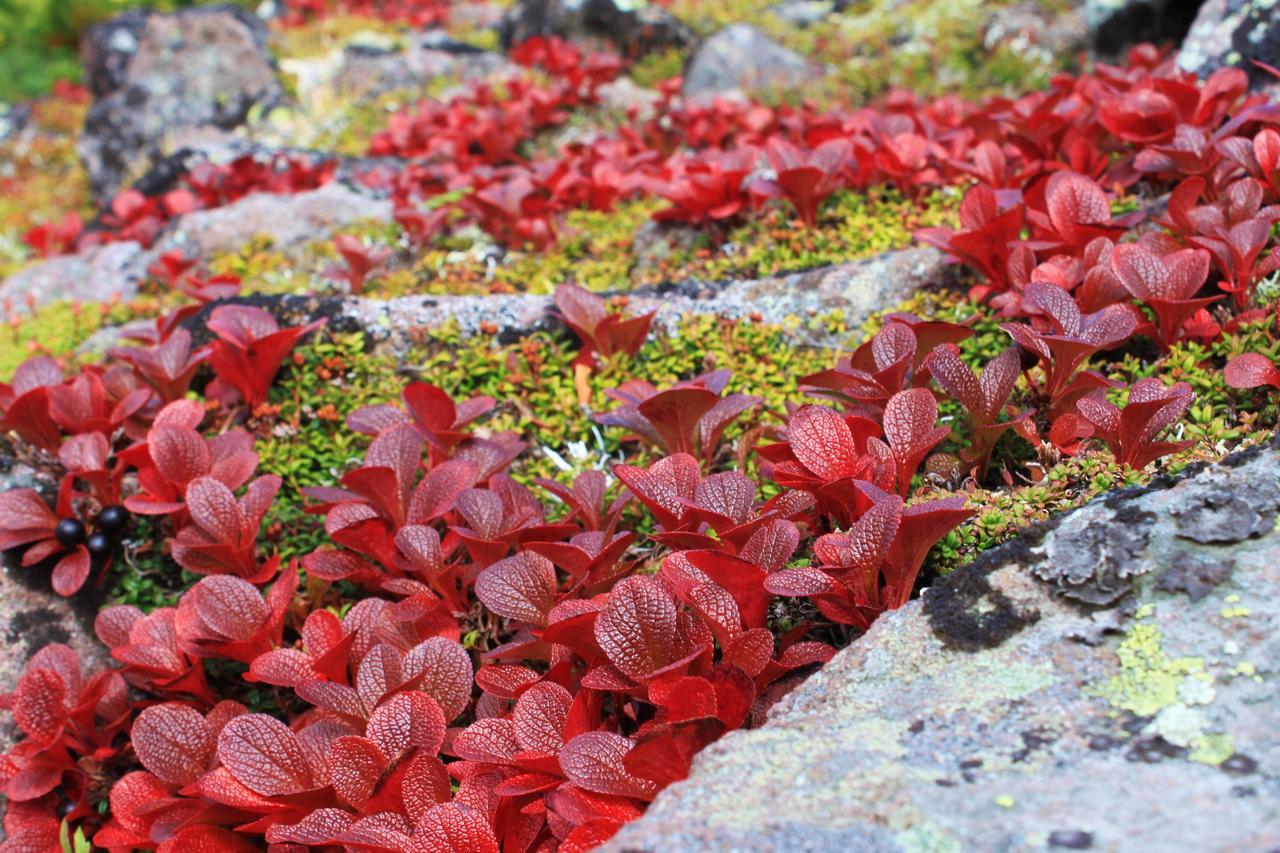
[(1003, 712), (31, 614), (156, 76), (95, 275), (286, 219), (740, 58), (1232, 33), (859, 289)]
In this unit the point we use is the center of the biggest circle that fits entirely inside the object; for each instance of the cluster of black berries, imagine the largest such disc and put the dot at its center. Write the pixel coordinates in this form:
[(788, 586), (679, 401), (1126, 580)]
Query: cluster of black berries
[(110, 524)]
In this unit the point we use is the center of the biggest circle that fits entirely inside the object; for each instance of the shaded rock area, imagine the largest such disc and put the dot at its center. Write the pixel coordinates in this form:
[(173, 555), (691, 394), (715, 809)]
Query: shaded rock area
[(1116, 25), (634, 29), (1234, 33), (740, 58), (31, 614), (156, 78), (1106, 681)]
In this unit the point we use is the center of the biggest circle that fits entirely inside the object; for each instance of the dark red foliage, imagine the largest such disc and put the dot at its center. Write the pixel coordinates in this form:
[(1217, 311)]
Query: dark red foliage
[(249, 350), (708, 187), (689, 417), (1168, 285), (803, 177), (983, 396), (1071, 338), (360, 261), (986, 237), (1251, 370), (602, 332), (1131, 432)]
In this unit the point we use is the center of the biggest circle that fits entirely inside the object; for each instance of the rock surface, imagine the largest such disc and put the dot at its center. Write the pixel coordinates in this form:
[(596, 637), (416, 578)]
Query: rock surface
[(366, 70), (1233, 33), (32, 615), (157, 76), (286, 219), (95, 275), (635, 29), (740, 58), (1002, 712), (1115, 25), (859, 289)]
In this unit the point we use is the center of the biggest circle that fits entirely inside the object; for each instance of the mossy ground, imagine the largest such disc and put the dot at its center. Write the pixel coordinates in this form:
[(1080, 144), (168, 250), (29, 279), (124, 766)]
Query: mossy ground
[(929, 47), (303, 439)]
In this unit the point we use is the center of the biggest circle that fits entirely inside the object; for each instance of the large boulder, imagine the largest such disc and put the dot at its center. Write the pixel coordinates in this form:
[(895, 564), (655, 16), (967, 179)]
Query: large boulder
[(740, 58), (158, 79), (1106, 681), (634, 29), (1233, 33)]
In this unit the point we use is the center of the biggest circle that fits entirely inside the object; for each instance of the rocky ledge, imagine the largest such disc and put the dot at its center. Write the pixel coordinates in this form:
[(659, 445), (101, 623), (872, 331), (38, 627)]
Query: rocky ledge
[(1106, 681)]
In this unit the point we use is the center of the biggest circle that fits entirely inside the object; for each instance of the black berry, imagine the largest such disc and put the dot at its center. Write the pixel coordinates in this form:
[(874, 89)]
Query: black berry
[(99, 544), (69, 533), (113, 520)]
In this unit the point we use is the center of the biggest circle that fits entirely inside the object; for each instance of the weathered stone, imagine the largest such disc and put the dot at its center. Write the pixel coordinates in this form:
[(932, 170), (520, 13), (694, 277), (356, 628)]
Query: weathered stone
[(635, 29), (858, 289), (32, 615), (1159, 736), (625, 96), (95, 275), (286, 219), (804, 13), (740, 58), (365, 69), (1233, 33), (1225, 515), (156, 76), (1116, 25)]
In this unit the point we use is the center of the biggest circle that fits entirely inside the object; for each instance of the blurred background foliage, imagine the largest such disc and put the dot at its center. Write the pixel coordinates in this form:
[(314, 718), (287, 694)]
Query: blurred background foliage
[(40, 39)]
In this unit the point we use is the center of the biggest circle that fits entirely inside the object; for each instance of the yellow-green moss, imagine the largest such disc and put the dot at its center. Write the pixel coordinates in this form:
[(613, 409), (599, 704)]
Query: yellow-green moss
[(55, 329)]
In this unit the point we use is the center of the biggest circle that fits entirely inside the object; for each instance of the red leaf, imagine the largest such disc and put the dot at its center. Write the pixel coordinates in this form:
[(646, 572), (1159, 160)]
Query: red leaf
[(1251, 370), (453, 828), (522, 587), (408, 720), (174, 742), (595, 761), (264, 756)]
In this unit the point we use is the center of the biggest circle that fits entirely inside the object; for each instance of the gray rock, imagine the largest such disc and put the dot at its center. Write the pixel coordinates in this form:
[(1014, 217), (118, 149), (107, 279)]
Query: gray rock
[(635, 29), (804, 13), (859, 289), (95, 275), (1233, 33), (287, 219), (366, 73), (740, 58), (1002, 713), (154, 76), (32, 615), (1116, 25)]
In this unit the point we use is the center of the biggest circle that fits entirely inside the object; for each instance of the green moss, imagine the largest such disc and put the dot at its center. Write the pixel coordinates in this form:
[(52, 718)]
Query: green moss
[(929, 47), (599, 251), (55, 329)]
